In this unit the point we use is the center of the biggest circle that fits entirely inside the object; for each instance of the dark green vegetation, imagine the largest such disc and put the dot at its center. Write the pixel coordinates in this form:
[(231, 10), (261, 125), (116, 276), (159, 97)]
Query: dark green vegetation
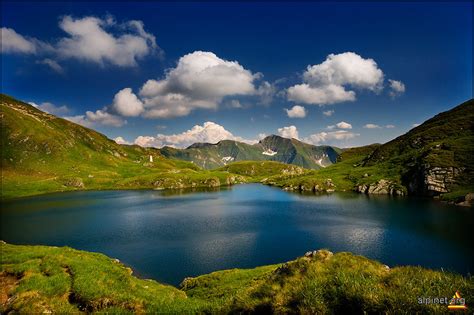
[(345, 175), (435, 158), (38, 279), (272, 148), (42, 153), (260, 170)]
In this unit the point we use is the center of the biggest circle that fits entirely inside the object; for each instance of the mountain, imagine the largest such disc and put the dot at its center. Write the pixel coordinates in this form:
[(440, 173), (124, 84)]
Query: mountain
[(272, 148), (43, 153), (433, 159)]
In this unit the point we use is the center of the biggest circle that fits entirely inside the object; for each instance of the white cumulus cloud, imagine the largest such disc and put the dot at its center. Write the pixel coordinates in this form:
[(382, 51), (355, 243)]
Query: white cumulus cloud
[(126, 103), (326, 83), (397, 88), (12, 42), (53, 64), (328, 113), (340, 125), (343, 125), (89, 40), (323, 95), (266, 91), (50, 108), (200, 80), (372, 126), (209, 132), (121, 140), (288, 132), (330, 137), (92, 39), (296, 111), (100, 116)]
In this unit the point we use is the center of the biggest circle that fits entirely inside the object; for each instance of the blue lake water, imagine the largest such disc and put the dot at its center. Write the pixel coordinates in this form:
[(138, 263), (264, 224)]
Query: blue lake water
[(171, 235)]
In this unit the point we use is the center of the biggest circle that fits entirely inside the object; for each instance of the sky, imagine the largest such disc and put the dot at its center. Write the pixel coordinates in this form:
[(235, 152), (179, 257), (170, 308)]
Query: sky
[(162, 73)]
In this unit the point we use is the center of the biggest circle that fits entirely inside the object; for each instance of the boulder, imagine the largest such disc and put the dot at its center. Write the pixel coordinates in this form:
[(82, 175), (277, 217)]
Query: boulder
[(321, 253), (74, 182), (329, 183), (382, 187), (212, 182), (468, 201)]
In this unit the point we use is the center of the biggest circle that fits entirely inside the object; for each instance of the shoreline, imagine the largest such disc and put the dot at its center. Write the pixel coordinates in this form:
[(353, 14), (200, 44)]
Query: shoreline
[(204, 188), (70, 280)]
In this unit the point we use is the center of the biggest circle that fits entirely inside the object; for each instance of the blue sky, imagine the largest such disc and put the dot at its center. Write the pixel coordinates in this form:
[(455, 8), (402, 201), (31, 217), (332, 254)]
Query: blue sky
[(347, 67)]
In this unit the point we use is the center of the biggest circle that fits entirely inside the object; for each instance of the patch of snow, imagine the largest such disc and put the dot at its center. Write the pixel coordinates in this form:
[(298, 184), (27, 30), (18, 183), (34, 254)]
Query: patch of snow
[(269, 152), (320, 162)]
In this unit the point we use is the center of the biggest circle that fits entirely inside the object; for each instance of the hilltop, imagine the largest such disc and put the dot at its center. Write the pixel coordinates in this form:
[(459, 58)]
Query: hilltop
[(271, 148), (43, 153), (433, 159)]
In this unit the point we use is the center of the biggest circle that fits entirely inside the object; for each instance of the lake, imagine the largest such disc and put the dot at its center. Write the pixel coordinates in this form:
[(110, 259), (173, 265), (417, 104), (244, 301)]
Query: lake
[(168, 235)]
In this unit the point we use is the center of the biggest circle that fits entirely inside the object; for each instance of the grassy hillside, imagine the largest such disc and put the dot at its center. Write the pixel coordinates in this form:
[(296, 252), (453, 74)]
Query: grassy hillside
[(39, 279), (43, 153), (259, 170), (434, 158), (344, 175), (272, 148), (444, 142), (211, 156)]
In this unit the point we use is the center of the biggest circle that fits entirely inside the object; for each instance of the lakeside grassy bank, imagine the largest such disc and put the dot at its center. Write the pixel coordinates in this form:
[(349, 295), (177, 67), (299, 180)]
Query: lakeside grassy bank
[(38, 279)]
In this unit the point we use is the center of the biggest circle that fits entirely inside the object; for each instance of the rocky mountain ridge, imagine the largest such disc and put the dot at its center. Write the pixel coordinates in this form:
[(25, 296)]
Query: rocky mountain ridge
[(271, 148)]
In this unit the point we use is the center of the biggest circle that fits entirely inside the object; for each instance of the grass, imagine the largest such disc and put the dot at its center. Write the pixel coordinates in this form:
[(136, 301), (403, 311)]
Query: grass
[(259, 170), (42, 153), (344, 175), (38, 279)]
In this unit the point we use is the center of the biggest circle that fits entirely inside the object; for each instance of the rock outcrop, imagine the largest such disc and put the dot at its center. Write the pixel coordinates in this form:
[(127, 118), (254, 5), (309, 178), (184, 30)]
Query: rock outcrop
[(382, 187), (186, 182), (468, 201), (432, 181), (326, 186), (74, 182)]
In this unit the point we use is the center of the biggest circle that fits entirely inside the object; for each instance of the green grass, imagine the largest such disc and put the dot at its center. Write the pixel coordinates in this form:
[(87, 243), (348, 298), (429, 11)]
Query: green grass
[(259, 170), (37, 279), (344, 175), (290, 151), (41, 153)]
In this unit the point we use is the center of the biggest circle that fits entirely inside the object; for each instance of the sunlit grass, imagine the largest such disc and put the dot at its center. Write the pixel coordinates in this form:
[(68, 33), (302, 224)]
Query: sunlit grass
[(64, 280)]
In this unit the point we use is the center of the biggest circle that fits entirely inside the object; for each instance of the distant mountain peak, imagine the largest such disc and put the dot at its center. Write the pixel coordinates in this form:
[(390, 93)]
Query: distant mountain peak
[(271, 148)]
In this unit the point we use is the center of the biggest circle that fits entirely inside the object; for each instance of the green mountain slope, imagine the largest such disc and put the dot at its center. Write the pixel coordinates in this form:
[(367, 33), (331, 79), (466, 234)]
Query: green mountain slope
[(43, 153), (435, 158), (41, 279), (272, 148), (259, 170)]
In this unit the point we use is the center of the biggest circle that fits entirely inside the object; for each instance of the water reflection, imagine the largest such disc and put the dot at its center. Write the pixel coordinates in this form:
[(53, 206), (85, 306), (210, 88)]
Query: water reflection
[(168, 235)]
